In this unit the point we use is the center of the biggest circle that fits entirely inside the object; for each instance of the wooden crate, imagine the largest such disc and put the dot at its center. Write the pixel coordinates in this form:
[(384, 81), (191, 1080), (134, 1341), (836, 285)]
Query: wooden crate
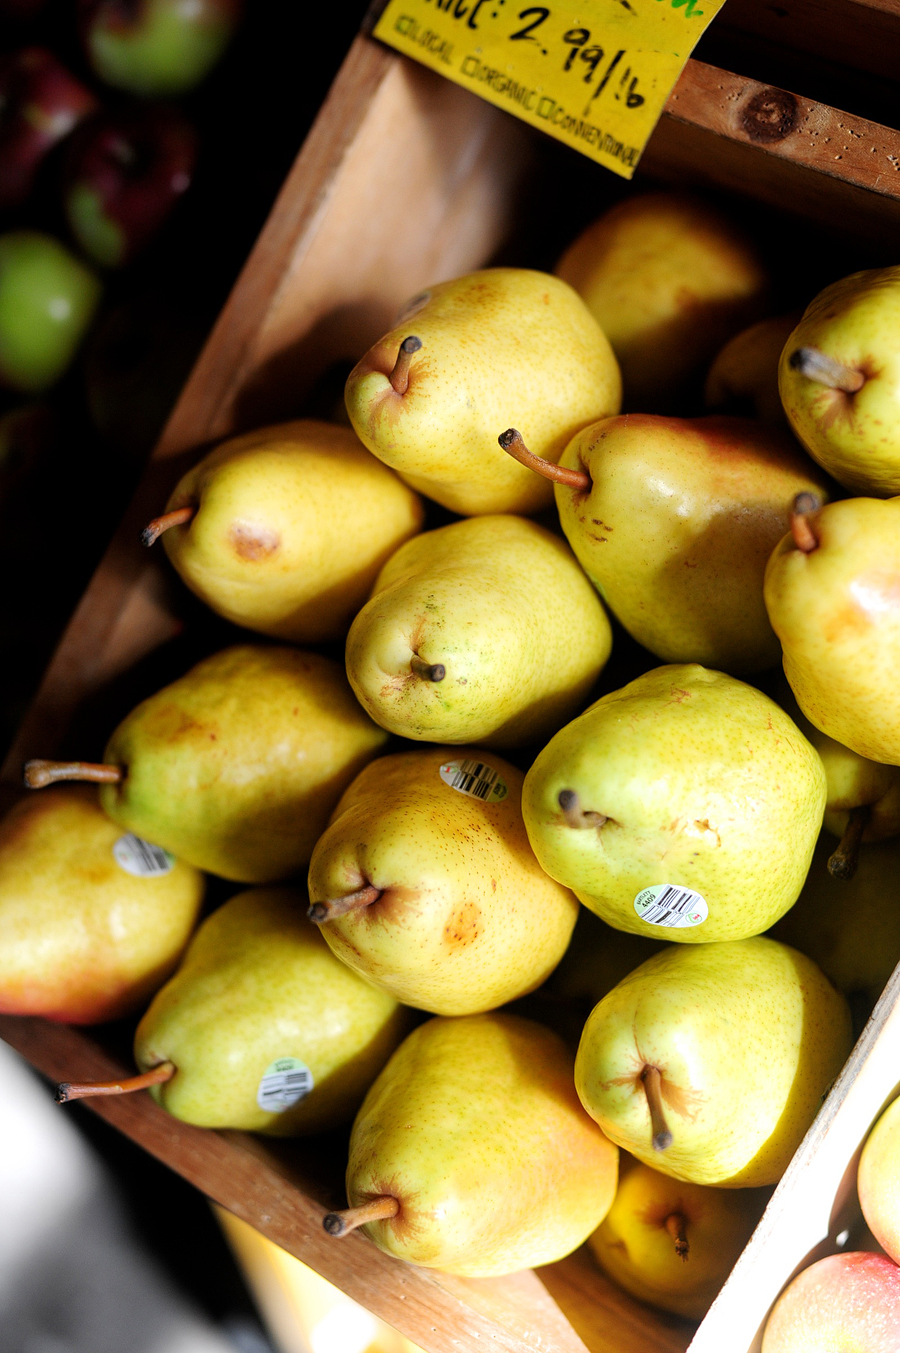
[(404, 180)]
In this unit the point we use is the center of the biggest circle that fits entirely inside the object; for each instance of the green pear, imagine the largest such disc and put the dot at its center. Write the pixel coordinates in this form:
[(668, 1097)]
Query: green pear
[(91, 922), (284, 530), (669, 279), (424, 883), (236, 766), (832, 590), (471, 1153), (484, 631), (266, 1030), (684, 573), (850, 928), (744, 377), (839, 378), (465, 359), (672, 1243), (710, 1062), (685, 806)]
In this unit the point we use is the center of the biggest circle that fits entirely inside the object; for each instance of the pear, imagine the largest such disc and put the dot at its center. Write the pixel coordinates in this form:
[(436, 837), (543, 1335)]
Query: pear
[(862, 797), (261, 1027), (92, 921), (832, 590), (685, 806), (465, 359), (839, 377), (878, 1181), (851, 929), (471, 1153), (669, 279), (684, 573), (236, 766), (672, 1243), (484, 631), (424, 883), (744, 376), (284, 530), (710, 1062)]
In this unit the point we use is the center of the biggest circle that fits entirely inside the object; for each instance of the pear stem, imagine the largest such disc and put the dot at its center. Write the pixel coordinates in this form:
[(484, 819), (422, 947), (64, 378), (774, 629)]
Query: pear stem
[(157, 1075), (651, 1079), (574, 814), (513, 445), (378, 1209), (802, 531), (842, 864), (676, 1226), (39, 773), (320, 912), (817, 366), (154, 529), (428, 671), (399, 377)]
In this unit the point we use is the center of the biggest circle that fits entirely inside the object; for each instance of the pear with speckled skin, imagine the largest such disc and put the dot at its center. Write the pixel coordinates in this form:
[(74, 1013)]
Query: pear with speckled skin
[(745, 1038), (501, 346), (839, 379), (291, 525), (474, 1127), (236, 766), (485, 631), (257, 986), (677, 526), (83, 939), (685, 779), (836, 610), (465, 918)]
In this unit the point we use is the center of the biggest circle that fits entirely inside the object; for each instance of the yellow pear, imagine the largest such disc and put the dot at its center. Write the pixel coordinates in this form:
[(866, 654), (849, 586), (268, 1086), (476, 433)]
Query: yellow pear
[(673, 520), (236, 766), (838, 379), (685, 806), (265, 1029), (471, 1153), (709, 1062), (672, 1243), (466, 359), (832, 590), (284, 530), (91, 921), (850, 927), (669, 280), (744, 376), (484, 631), (424, 883)]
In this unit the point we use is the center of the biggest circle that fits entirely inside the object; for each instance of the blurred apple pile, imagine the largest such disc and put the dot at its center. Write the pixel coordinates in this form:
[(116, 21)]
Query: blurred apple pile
[(530, 738)]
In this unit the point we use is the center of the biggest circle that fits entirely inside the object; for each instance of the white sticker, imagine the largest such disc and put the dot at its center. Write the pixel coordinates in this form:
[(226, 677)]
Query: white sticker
[(666, 904), (140, 858), (285, 1082), (475, 779)]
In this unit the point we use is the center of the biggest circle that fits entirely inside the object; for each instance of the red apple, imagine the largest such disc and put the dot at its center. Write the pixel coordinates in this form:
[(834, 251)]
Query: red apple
[(156, 47), (847, 1301), (878, 1181), (124, 174), (40, 103)]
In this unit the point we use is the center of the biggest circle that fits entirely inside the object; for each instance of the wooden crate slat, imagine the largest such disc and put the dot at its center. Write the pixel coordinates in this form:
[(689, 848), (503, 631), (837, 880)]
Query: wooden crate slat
[(862, 34)]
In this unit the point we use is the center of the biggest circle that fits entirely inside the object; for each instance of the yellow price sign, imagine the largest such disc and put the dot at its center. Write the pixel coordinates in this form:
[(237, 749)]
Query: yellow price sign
[(593, 73)]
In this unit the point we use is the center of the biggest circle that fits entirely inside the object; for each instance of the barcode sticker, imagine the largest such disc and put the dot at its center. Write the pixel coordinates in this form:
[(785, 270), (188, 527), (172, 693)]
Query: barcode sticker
[(666, 904), (141, 858), (284, 1083), (476, 779)]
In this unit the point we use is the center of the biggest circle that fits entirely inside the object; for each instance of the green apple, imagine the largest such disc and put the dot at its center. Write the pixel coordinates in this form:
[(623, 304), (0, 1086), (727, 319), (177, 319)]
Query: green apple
[(157, 47), (47, 300)]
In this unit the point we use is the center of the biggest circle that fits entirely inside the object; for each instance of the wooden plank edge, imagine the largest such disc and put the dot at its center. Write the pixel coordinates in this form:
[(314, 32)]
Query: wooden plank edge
[(442, 1313)]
